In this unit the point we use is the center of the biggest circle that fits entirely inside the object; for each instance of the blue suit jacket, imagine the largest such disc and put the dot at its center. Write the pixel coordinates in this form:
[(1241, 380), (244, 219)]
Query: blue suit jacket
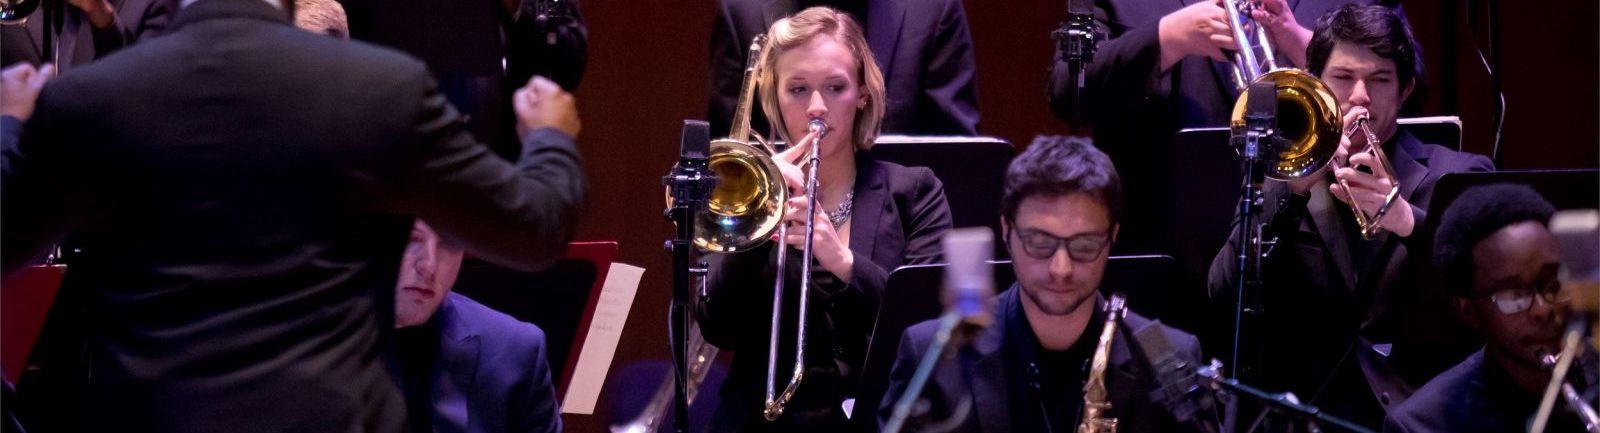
[(491, 374)]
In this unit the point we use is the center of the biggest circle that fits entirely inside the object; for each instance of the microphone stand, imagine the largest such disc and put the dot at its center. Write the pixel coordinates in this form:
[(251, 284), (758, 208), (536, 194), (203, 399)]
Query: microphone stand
[(1077, 39), (690, 183), (1259, 131), (941, 341), (1283, 402)]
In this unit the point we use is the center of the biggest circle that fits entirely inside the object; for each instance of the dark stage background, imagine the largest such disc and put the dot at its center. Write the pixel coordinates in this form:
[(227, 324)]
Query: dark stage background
[(648, 71)]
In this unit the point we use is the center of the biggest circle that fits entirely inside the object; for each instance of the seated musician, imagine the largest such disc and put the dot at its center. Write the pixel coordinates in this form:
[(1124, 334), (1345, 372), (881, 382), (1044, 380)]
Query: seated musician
[(463, 366), (1500, 263), (1061, 208), (874, 216), (1330, 296)]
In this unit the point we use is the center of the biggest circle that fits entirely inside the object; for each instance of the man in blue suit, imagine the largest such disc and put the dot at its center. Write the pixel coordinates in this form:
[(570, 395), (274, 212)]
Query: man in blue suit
[(463, 366)]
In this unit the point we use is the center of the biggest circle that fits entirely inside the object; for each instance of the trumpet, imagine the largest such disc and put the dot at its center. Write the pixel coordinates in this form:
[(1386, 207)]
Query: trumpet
[(1371, 223)]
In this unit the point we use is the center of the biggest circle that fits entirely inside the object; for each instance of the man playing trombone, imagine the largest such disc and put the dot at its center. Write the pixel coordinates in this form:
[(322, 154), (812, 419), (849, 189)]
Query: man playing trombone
[(1340, 269)]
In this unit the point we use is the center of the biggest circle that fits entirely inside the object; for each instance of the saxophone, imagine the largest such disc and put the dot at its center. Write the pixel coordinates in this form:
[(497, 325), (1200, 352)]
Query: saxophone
[(1096, 403)]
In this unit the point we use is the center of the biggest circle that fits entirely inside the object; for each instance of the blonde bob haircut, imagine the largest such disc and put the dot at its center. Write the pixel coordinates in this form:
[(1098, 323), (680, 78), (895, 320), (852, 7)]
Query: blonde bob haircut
[(799, 29)]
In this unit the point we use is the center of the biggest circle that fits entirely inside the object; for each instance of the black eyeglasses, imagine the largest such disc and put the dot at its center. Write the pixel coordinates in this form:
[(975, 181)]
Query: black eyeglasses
[(1516, 300), (1082, 248)]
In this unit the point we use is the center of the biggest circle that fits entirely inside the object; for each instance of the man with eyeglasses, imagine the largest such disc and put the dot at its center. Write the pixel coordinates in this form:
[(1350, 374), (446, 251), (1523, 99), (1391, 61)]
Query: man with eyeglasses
[(1500, 264), (1062, 205)]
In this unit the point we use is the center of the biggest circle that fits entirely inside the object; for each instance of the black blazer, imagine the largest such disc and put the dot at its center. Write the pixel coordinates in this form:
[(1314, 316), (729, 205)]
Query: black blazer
[(1135, 109), (80, 42), (1477, 396), (1327, 291), (981, 371), (899, 216), (244, 190), (923, 47)]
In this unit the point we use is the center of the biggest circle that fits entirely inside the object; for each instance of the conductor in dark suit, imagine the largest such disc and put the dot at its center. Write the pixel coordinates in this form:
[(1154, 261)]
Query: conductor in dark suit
[(90, 29), (244, 255), (465, 367), (1500, 262), (874, 216), (1025, 372), (1333, 300), (923, 47), (1164, 68)]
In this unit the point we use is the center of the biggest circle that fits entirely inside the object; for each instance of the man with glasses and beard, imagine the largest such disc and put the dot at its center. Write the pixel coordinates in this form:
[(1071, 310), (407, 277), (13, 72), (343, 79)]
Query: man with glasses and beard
[(1061, 208)]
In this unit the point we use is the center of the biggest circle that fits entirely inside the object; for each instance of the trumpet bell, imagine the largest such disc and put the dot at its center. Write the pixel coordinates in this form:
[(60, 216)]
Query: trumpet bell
[(747, 204), (1308, 120)]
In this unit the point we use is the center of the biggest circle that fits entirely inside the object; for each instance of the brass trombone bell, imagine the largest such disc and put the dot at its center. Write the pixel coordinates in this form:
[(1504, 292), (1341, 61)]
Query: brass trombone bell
[(1308, 121)]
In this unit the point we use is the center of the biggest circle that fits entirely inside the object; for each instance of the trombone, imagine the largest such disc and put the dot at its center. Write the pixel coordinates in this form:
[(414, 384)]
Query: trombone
[(1309, 118), (744, 210), (1371, 223)]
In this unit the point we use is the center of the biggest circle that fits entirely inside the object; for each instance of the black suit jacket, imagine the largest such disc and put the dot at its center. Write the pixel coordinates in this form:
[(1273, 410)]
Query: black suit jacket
[(80, 42), (492, 375), (1477, 396), (243, 256), (899, 216), (1135, 108), (923, 47), (1330, 297), (983, 372)]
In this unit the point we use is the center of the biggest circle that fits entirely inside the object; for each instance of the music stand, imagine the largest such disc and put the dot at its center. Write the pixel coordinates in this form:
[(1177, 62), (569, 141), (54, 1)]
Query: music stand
[(915, 293), (972, 169), (560, 300)]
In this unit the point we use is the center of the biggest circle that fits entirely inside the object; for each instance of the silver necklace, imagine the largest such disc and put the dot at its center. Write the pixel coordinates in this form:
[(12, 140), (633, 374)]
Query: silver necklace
[(840, 216)]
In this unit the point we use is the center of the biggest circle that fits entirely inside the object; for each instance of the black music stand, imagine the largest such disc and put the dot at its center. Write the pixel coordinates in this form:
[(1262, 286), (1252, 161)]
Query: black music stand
[(973, 171), (915, 293)]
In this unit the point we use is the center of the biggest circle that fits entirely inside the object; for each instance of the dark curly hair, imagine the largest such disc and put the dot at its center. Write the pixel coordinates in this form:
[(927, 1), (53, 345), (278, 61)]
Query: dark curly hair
[(1059, 165), (1476, 214)]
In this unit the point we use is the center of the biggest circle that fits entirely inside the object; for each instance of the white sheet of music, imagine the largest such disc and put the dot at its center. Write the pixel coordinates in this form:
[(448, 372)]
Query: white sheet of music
[(605, 330)]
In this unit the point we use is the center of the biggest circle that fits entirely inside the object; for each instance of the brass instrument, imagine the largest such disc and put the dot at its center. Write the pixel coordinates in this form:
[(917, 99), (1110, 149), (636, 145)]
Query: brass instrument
[(744, 210), (1371, 224), (14, 12), (1308, 114), (1096, 400)]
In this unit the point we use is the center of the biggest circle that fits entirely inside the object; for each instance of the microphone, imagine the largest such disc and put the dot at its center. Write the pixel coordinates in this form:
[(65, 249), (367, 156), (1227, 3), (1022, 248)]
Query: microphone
[(969, 278), (1178, 388), (968, 284)]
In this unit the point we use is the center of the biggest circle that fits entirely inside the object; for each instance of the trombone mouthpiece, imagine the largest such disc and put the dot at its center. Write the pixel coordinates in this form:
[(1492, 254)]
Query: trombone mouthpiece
[(817, 126)]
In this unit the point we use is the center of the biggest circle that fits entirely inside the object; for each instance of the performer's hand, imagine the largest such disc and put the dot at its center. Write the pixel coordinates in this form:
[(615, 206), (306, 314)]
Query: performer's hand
[(831, 252), (1200, 29), (789, 161), (100, 12), (1370, 190), (19, 88), (1288, 36), (542, 104)]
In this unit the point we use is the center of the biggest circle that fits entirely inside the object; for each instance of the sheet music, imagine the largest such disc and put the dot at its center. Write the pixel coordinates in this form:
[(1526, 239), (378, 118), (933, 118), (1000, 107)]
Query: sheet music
[(605, 331)]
